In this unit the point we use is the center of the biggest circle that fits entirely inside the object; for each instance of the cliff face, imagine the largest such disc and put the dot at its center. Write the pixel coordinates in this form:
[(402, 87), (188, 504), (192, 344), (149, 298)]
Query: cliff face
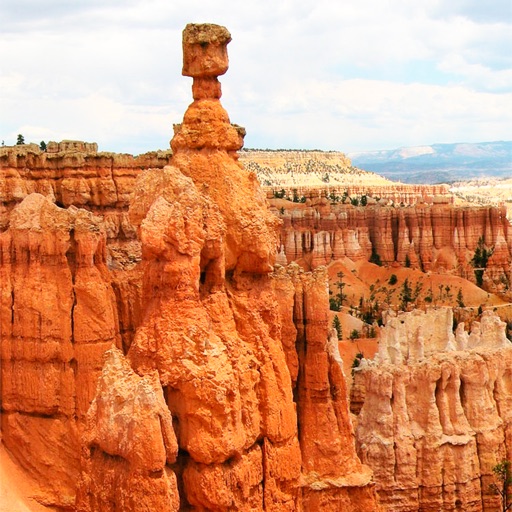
[(74, 173), (176, 383), (435, 421), (441, 238), (58, 316)]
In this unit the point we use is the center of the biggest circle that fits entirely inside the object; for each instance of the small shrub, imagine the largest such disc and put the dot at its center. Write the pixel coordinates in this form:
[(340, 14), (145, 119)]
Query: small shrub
[(460, 299), (334, 304), (375, 258), (357, 361), (337, 325)]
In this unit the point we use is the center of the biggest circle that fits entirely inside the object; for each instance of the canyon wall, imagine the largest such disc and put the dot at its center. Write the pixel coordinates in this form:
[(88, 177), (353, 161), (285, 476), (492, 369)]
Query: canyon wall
[(190, 380), (58, 315), (437, 417), (439, 238)]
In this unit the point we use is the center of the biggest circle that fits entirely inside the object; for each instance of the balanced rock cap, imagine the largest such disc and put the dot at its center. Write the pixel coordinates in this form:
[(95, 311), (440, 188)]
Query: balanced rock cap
[(205, 50)]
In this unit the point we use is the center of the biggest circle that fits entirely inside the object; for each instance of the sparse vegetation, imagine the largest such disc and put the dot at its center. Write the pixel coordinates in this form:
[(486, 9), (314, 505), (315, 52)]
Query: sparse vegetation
[(336, 302), (408, 296), (503, 474), (337, 326), (354, 335), (460, 299), (480, 259), (357, 361)]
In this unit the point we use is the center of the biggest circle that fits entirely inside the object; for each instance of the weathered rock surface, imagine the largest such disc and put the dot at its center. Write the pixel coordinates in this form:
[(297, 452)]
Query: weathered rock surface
[(74, 173), (58, 315), (217, 328), (334, 477), (432, 428), (130, 440), (439, 238)]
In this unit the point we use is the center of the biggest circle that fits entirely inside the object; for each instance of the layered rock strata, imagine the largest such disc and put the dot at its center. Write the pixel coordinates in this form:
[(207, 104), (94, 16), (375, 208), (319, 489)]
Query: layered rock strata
[(212, 369), (315, 174), (440, 238), (433, 425), (57, 317), (75, 174)]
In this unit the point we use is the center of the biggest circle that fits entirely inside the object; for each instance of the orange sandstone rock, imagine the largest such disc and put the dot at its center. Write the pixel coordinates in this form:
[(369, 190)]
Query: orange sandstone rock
[(442, 238), (219, 330), (211, 407), (129, 441), (58, 316)]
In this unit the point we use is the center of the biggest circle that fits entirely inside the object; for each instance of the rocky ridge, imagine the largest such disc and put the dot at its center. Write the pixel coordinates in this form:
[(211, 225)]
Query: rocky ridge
[(299, 175)]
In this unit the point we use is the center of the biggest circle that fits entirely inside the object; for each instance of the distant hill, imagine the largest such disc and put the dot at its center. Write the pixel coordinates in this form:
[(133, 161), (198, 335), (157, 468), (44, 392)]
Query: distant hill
[(439, 163)]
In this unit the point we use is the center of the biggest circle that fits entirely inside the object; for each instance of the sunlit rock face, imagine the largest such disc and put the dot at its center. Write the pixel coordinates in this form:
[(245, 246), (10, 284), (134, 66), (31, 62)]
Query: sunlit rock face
[(432, 237), (218, 331), (437, 415), (58, 315)]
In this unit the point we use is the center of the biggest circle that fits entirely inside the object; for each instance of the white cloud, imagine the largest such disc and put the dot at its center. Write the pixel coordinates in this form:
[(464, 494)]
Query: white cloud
[(350, 113), (302, 73)]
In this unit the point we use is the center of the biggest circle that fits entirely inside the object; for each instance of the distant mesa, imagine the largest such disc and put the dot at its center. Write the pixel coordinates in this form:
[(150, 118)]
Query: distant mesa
[(77, 146), (72, 145)]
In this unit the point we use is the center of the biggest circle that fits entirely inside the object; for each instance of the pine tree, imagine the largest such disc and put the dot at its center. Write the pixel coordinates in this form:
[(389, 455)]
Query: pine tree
[(503, 474), (460, 298), (337, 325), (20, 140)]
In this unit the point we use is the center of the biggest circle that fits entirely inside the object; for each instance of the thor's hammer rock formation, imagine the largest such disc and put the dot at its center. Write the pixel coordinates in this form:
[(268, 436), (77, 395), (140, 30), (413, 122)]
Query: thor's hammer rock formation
[(212, 371)]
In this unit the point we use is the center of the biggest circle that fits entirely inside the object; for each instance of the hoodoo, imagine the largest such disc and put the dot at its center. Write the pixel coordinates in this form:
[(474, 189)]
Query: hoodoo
[(195, 375), (436, 417)]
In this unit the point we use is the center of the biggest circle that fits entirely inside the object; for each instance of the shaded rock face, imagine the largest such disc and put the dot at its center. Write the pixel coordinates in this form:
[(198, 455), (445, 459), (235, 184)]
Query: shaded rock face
[(441, 238), (433, 427)]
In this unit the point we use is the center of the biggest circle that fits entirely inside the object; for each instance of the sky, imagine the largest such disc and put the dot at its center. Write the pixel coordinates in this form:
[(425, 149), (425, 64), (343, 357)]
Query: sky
[(304, 74)]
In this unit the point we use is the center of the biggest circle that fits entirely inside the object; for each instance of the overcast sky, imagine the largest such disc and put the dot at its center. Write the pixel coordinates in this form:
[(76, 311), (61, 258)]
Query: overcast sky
[(348, 76)]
